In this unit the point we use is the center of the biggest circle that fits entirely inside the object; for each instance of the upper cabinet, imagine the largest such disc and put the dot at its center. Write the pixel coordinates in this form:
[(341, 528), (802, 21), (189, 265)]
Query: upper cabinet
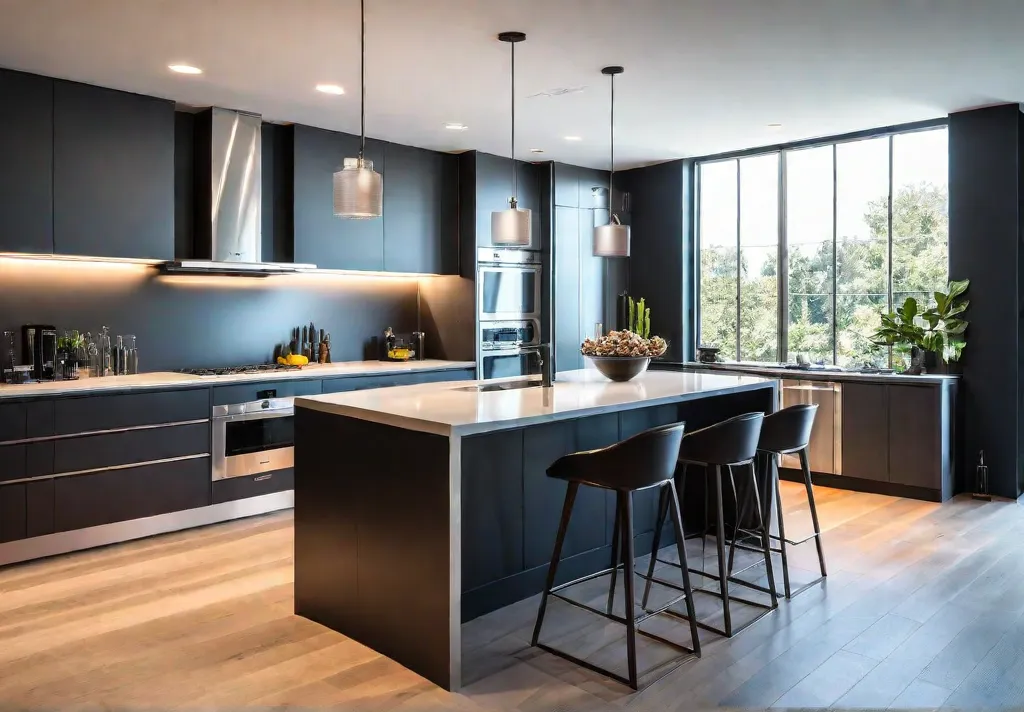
[(421, 205), (493, 187), (113, 173), (419, 229), (26, 172), (577, 187), (321, 238)]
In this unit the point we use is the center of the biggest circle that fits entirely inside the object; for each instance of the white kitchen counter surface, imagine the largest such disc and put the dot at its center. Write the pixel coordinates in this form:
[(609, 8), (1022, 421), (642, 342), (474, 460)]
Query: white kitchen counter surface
[(167, 379), (451, 409)]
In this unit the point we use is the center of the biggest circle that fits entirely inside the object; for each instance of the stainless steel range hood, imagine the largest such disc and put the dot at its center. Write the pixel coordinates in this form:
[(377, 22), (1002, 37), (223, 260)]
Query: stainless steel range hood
[(228, 198)]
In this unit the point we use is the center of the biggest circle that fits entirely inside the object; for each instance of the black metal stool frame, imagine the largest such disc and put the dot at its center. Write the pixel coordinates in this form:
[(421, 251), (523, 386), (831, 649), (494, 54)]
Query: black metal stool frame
[(622, 543), (725, 573), (770, 460)]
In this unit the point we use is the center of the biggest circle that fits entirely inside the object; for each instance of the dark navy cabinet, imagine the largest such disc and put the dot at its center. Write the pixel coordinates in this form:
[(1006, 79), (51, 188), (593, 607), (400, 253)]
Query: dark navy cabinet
[(26, 167), (113, 173), (322, 239), (421, 232), (492, 187)]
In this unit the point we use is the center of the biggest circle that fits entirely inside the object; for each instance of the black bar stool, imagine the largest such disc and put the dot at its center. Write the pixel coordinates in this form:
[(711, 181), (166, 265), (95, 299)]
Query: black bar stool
[(784, 433), (640, 462), (731, 443)]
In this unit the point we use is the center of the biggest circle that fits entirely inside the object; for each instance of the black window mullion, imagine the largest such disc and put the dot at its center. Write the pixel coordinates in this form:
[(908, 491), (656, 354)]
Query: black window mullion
[(782, 275), (739, 263), (835, 261), (888, 286)]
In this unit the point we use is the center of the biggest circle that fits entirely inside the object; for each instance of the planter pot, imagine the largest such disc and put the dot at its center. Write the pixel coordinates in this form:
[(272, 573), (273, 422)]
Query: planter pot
[(917, 361), (621, 368)]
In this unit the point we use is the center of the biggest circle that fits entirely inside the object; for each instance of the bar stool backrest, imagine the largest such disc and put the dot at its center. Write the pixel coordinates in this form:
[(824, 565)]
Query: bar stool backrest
[(644, 460), (726, 443), (788, 430)]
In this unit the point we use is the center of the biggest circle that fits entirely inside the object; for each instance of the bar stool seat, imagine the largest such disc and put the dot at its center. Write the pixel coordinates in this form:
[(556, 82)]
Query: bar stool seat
[(729, 444), (643, 461)]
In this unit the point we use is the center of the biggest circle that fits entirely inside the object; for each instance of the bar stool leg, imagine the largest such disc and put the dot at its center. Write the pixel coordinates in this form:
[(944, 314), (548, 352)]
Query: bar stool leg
[(723, 576), (656, 545), (814, 512), (563, 525), (615, 558), (741, 515), (626, 507), (765, 536), (677, 521), (773, 464)]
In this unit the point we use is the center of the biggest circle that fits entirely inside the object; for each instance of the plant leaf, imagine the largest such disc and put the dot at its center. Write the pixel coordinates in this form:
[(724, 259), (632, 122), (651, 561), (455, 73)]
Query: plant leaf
[(956, 288)]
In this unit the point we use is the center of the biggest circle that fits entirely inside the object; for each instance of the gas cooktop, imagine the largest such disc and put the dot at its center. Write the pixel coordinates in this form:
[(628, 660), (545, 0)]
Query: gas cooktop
[(234, 370)]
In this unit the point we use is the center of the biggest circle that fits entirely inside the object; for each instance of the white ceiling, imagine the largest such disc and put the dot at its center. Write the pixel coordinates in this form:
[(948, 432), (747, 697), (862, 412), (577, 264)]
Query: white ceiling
[(702, 76)]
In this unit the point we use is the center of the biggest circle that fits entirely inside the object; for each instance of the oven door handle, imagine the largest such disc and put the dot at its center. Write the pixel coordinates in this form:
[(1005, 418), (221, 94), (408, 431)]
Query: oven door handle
[(258, 415)]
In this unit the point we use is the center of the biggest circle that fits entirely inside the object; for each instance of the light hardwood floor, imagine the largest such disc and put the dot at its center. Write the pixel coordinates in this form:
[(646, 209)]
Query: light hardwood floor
[(924, 606)]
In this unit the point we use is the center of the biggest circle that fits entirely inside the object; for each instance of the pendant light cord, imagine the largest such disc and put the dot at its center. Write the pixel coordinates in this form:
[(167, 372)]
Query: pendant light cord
[(611, 173), (362, 78), (514, 181)]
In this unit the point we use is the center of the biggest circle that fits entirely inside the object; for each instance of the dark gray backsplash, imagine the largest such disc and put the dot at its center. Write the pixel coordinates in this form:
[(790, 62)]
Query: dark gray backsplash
[(189, 321)]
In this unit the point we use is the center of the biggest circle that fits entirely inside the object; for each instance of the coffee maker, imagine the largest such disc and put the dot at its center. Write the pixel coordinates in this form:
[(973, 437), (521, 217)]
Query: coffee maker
[(39, 350)]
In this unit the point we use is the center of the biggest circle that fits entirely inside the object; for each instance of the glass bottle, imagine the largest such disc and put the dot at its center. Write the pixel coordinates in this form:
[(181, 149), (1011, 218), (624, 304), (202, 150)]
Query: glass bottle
[(132, 365)]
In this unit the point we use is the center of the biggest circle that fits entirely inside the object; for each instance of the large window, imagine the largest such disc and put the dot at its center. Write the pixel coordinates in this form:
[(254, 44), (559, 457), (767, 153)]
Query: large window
[(801, 249)]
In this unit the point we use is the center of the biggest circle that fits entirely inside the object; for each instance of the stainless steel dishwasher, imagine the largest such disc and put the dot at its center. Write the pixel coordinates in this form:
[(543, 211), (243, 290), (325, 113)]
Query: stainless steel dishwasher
[(826, 448)]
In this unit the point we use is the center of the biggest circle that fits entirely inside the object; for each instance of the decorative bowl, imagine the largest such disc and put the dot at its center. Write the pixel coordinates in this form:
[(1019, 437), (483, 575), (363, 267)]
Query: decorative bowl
[(621, 368)]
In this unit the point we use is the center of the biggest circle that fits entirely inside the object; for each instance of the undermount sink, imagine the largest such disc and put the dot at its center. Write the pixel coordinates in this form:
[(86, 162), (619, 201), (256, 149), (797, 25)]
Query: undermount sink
[(505, 386)]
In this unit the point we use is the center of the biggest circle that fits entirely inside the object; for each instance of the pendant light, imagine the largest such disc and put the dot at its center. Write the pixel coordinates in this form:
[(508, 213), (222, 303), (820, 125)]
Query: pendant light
[(612, 240), (358, 189), (511, 228)]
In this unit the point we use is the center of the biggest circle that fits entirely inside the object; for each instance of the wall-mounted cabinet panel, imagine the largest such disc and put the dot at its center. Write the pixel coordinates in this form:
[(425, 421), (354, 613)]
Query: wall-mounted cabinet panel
[(26, 167), (113, 173), (420, 211), (567, 185), (493, 189), (593, 188), (593, 281), (566, 269), (320, 238)]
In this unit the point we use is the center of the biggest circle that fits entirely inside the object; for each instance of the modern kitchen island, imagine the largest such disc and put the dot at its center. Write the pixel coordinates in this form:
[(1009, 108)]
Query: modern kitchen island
[(420, 507)]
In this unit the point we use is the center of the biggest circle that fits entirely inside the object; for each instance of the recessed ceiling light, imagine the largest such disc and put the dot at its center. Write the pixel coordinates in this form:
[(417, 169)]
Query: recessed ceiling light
[(573, 138), (184, 69), (536, 150), (330, 89), (775, 126), (455, 126)]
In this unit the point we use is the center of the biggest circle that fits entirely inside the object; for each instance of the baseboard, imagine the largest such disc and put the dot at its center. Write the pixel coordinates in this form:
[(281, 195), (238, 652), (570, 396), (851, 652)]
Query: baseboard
[(857, 484)]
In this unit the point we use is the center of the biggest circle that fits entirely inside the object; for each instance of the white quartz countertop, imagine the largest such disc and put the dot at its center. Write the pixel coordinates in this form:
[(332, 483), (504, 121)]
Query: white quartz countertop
[(459, 409), (168, 379)]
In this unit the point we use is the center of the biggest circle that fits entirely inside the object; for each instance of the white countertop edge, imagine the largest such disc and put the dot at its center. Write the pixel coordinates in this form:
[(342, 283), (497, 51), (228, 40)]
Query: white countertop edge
[(824, 374), (376, 416), (166, 380), (470, 429)]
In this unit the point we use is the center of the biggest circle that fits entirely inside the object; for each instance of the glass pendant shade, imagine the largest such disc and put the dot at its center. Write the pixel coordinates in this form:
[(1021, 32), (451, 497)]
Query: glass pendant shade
[(611, 240), (511, 228), (358, 190)]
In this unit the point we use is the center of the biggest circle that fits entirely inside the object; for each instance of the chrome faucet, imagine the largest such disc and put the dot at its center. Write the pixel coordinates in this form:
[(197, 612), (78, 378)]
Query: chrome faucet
[(543, 351)]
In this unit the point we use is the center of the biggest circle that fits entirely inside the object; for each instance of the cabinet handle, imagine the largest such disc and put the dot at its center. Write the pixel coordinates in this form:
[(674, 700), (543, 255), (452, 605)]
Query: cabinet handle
[(262, 477)]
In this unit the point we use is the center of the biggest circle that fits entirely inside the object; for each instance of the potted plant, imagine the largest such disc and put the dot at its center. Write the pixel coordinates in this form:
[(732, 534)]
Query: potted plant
[(935, 336)]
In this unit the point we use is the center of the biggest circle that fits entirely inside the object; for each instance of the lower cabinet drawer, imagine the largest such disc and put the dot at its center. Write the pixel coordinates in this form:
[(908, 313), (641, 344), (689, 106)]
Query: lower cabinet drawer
[(253, 485), (95, 451), (132, 493), (26, 510)]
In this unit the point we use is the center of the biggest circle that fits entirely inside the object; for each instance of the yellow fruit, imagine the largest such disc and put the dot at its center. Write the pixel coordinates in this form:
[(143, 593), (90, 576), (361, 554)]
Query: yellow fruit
[(282, 360), (297, 360)]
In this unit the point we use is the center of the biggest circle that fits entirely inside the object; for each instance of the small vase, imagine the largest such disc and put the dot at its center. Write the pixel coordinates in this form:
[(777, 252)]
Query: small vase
[(917, 360)]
